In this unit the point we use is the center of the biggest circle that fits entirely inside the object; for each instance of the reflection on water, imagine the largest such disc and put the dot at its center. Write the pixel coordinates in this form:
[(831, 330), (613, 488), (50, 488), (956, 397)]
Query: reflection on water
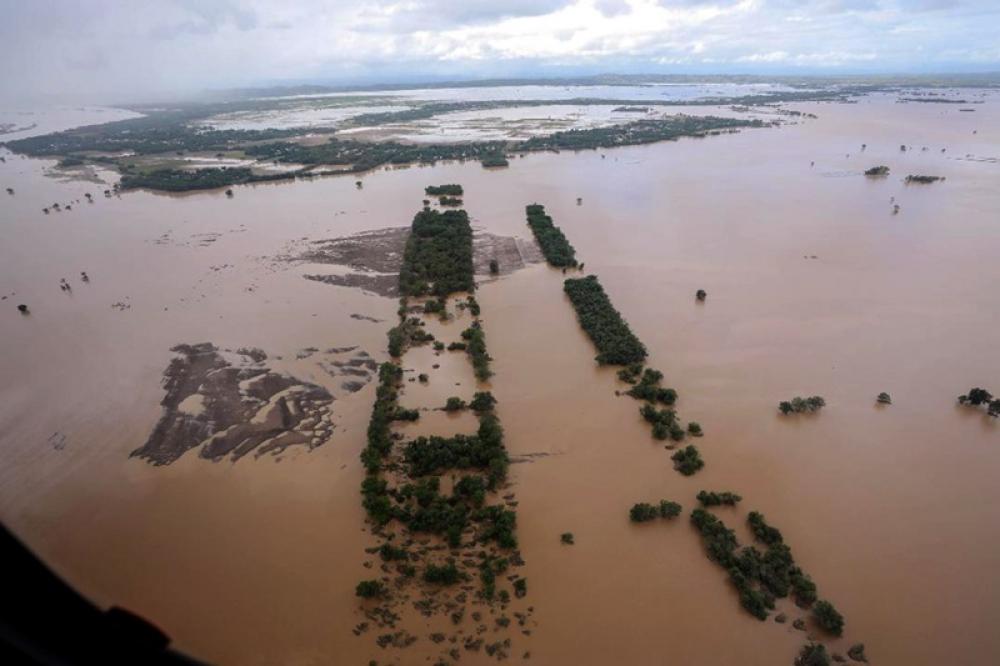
[(887, 508)]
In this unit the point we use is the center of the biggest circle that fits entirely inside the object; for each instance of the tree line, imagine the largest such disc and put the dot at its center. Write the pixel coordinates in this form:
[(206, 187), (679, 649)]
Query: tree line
[(557, 250)]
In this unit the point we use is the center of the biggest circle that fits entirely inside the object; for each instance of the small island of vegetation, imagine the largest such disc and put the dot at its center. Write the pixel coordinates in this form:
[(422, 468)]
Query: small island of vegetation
[(724, 498), (687, 461), (451, 189), (977, 397), (799, 405), (923, 180), (644, 512)]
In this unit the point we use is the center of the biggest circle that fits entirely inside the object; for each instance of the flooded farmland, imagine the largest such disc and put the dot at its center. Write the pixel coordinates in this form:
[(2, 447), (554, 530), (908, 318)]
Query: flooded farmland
[(815, 286)]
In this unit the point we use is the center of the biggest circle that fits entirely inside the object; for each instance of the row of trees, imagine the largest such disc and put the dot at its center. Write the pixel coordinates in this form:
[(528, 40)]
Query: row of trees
[(484, 451), (184, 180), (724, 497), (407, 333), (800, 405), (475, 341), (759, 577), (437, 260), (557, 250), (615, 342), (644, 512)]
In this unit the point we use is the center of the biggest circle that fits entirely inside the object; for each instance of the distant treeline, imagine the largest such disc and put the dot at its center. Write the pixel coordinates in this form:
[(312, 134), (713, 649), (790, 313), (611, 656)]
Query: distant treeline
[(557, 250), (162, 134), (183, 180), (637, 132), (615, 342), (138, 136)]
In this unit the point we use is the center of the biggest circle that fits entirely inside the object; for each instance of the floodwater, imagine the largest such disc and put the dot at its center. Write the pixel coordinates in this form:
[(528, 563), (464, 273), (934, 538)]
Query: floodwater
[(299, 117), (891, 510), (523, 122), (648, 91)]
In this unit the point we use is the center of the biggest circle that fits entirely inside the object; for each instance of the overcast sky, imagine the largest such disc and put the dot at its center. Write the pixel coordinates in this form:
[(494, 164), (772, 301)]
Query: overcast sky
[(128, 50)]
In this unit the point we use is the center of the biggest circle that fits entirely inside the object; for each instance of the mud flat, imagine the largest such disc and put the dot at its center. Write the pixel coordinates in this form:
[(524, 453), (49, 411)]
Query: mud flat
[(226, 410)]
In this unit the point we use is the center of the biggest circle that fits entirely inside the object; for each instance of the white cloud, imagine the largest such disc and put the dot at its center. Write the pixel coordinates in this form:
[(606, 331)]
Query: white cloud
[(134, 48)]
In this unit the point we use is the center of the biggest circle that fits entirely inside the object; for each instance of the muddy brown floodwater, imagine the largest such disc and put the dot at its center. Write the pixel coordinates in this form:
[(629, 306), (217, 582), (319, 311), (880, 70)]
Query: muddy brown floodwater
[(892, 510)]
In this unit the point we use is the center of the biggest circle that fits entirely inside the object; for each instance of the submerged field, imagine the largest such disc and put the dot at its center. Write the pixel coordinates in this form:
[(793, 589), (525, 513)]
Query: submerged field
[(814, 286)]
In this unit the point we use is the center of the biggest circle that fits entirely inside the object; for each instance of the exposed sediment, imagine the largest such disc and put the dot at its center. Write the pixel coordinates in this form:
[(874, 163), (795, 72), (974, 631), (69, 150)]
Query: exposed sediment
[(376, 257), (227, 406)]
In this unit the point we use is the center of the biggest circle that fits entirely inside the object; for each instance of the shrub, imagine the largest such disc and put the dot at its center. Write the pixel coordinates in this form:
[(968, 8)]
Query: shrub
[(884, 398), (687, 461), (567, 538), (669, 509), (498, 525), (483, 401), (694, 429), (471, 488), (402, 414), (452, 189), (923, 180), (803, 587), (630, 373), (649, 389), (454, 404), (388, 553), (720, 541), (494, 160), (762, 531), (725, 497), (456, 346), (980, 396), (642, 512), (828, 618), (880, 170), (520, 587), (476, 348), (369, 589), (813, 654), (447, 574), (799, 405)]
